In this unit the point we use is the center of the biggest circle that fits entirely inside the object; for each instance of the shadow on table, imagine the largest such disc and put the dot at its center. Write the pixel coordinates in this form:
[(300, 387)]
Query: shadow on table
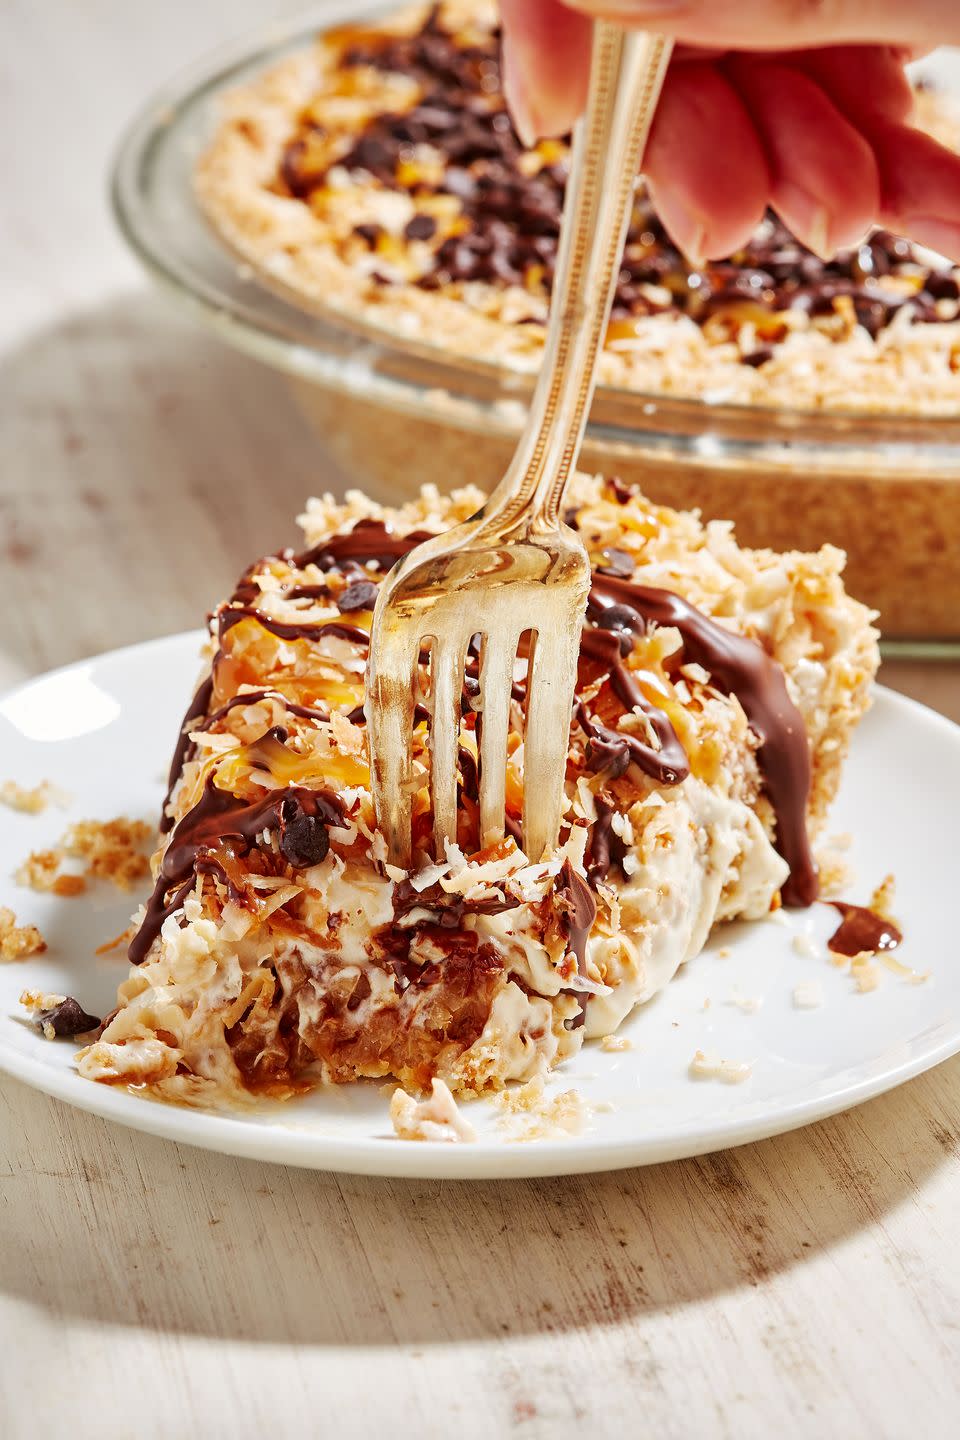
[(174, 1240), (145, 464)]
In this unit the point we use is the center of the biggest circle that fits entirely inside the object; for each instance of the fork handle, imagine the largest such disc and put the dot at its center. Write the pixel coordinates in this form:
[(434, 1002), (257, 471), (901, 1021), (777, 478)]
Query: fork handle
[(626, 75)]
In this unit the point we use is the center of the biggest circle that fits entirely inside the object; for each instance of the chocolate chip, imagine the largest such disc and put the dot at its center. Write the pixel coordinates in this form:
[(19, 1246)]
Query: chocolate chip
[(371, 233), (421, 227), (756, 358), (608, 751), (942, 287), (67, 1018), (361, 595), (291, 172), (617, 562), (304, 840), (616, 617), (370, 153)]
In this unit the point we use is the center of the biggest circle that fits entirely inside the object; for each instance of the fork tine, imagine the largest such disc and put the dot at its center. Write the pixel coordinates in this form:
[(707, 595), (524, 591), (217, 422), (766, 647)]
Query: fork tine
[(496, 679), (446, 690), (389, 711), (550, 685)]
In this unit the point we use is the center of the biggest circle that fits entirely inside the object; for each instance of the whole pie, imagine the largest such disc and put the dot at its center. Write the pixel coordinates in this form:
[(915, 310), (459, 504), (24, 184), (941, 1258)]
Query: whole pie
[(717, 691), (377, 174)]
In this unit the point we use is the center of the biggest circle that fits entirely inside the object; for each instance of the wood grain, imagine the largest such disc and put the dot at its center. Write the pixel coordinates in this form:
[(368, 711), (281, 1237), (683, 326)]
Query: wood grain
[(806, 1285)]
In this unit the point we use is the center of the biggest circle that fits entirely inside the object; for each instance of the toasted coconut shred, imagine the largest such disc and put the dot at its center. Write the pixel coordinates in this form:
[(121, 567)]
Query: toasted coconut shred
[(111, 850), (32, 799), (279, 951)]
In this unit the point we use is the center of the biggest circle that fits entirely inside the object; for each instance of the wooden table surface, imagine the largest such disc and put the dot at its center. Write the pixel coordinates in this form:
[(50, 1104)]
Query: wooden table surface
[(805, 1285)]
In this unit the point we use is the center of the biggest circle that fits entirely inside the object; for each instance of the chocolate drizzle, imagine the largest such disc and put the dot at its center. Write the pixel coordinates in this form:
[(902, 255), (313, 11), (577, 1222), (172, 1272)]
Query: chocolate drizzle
[(620, 610), (606, 849), (219, 818), (578, 910), (741, 667), (253, 697), (369, 542), (667, 764), (862, 931), (288, 630), (184, 747)]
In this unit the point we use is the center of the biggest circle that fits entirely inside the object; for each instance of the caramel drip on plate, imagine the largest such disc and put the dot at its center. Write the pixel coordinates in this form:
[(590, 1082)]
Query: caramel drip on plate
[(862, 931)]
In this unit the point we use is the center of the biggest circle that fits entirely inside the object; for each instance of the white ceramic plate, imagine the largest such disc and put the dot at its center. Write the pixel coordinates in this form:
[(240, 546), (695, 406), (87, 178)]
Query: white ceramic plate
[(103, 731)]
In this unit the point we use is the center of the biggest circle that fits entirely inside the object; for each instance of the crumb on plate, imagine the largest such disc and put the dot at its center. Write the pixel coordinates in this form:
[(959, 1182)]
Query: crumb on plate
[(865, 973), (58, 1016), (112, 850), (541, 1117), (436, 1118), (808, 995), (32, 800), (18, 941), (835, 871), (712, 1067)]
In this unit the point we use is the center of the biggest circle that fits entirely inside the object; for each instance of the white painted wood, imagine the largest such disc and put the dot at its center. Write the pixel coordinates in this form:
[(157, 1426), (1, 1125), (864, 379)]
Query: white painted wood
[(805, 1285)]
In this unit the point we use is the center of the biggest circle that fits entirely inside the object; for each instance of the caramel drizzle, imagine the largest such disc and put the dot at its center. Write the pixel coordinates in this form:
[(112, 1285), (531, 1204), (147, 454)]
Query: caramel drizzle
[(186, 748), (737, 665)]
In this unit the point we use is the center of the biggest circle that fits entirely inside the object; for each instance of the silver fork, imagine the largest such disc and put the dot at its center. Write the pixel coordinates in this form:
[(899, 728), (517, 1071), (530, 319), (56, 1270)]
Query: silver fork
[(515, 568)]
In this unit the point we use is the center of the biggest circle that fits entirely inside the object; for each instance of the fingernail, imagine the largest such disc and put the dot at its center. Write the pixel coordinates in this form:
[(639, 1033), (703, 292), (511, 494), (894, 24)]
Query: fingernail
[(807, 217), (518, 104), (853, 239), (940, 235), (690, 236)]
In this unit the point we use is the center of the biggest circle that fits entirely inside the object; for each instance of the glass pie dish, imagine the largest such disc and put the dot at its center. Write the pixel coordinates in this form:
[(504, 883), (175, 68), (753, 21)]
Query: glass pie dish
[(396, 412)]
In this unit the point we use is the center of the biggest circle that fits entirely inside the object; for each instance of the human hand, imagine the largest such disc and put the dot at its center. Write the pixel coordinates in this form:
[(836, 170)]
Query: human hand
[(803, 107)]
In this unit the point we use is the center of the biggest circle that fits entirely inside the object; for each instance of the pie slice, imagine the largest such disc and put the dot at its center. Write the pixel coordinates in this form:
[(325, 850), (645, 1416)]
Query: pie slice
[(717, 691)]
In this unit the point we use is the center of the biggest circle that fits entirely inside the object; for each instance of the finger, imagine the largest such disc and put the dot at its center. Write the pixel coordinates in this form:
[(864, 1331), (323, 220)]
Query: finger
[(825, 183), (704, 162), (546, 65), (867, 83), (920, 187), (786, 24)]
